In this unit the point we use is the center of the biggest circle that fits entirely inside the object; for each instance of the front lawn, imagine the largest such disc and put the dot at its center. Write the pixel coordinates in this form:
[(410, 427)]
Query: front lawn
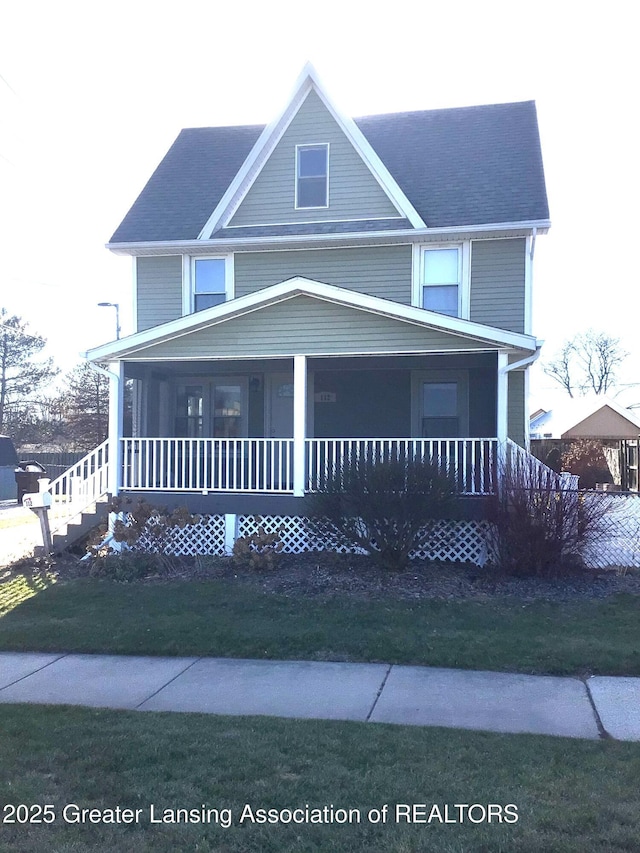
[(222, 618), (571, 796)]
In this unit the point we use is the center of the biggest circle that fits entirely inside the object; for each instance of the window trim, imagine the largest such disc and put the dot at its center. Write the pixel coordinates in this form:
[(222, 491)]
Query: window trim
[(299, 148), (464, 262), (189, 279)]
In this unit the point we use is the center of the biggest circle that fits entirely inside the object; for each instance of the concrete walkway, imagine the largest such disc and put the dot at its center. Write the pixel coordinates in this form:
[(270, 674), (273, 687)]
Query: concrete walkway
[(377, 693)]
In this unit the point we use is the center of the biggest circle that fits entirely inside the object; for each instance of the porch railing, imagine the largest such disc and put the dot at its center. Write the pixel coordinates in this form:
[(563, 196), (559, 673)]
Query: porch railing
[(470, 462), (208, 464), (530, 472), (80, 486), (266, 464)]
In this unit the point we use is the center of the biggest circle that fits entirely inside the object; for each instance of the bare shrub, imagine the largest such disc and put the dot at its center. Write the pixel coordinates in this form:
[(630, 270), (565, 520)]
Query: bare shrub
[(585, 457), (151, 530), (538, 529), (384, 508), (258, 550)]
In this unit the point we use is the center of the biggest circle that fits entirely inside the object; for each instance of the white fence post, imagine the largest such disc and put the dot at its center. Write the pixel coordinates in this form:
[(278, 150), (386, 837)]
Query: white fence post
[(230, 532)]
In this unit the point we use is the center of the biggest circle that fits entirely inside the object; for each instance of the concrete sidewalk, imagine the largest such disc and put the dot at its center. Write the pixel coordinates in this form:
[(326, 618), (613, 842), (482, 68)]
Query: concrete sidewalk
[(377, 693)]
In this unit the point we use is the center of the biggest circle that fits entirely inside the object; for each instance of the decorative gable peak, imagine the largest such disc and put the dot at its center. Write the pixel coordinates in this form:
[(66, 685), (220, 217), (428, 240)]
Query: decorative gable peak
[(288, 155)]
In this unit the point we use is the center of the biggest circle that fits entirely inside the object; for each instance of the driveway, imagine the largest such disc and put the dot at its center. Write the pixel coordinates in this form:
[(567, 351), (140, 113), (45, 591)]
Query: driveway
[(19, 532)]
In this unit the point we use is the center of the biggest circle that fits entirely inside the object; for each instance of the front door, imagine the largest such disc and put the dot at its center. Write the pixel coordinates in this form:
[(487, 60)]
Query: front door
[(280, 411)]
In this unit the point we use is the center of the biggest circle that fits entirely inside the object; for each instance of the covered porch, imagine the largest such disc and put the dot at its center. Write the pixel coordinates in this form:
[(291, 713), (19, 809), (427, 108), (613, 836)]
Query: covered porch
[(271, 392), (283, 426)]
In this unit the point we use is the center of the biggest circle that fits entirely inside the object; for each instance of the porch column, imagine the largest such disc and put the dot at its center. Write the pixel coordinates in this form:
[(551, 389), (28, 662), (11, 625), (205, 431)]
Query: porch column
[(299, 423), (116, 406), (502, 396)]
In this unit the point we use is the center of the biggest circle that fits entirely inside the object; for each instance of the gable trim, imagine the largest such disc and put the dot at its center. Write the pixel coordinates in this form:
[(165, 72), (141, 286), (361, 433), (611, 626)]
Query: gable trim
[(301, 286), (273, 133)]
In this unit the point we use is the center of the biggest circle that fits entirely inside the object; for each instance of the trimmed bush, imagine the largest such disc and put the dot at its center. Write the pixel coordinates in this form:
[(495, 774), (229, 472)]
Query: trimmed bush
[(538, 530), (385, 508)]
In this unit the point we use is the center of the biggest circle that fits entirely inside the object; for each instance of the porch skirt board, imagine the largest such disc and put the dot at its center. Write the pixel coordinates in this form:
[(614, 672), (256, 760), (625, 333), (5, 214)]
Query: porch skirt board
[(453, 541)]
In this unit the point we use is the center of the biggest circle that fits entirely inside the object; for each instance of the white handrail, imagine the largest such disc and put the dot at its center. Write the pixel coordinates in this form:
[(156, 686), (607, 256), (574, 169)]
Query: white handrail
[(81, 485), (531, 472)]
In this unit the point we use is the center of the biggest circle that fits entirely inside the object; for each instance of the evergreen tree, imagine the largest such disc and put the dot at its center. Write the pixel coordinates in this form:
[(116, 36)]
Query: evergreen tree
[(21, 376)]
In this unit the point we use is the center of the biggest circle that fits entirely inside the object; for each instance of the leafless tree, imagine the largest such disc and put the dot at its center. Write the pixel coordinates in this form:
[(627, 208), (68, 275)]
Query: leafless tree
[(588, 363)]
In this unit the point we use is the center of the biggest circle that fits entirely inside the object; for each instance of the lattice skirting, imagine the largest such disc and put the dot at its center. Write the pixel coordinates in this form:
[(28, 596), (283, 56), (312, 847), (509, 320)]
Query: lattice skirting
[(206, 537), (455, 541), (616, 544)]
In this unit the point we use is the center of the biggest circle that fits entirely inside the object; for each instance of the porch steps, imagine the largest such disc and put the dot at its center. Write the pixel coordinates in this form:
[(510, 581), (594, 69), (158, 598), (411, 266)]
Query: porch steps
[(78, 527)]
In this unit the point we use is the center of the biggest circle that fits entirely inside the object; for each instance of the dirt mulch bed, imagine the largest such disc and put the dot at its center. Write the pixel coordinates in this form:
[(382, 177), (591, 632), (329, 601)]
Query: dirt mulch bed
[(327, 575)]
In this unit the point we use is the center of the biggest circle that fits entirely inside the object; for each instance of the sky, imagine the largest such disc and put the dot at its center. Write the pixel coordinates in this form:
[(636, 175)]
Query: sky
[(93, 94)]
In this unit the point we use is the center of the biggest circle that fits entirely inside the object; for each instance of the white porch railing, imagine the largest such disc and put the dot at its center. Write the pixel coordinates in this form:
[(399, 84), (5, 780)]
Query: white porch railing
[(208, 464), (531, 472), (266, 464), (470, 462), (80, 486)]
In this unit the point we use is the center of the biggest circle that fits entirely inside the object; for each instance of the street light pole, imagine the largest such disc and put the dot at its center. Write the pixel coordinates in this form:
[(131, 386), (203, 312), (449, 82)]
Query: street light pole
[(117, 307)]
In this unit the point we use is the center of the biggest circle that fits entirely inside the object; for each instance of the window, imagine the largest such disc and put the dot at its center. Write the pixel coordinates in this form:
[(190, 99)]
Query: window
[(209, 282), (439, 403), (441, 279), (212, 408), (440, 410), (228, 409), (312, 176), (189, 411)]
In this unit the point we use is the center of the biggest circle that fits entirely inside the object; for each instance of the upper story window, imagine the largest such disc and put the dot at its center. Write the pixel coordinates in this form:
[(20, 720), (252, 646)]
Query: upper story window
[(312, 176), (211, 282), (441, 280)]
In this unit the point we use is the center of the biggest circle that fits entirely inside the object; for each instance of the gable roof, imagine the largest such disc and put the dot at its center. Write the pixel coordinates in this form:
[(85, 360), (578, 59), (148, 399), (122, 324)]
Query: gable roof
[(483, 337), (568, 415), (457, 167), (307, 84)]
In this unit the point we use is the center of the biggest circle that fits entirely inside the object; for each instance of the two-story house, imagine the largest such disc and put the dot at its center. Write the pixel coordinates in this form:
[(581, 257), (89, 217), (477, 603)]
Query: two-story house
[(322, 287)]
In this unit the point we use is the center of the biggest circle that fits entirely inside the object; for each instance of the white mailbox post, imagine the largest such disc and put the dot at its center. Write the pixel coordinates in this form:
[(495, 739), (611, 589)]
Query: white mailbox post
[(39, 502)]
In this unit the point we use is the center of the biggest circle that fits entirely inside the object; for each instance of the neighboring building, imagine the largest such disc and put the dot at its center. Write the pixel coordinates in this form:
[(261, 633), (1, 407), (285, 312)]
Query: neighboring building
[(324, 286), (595, 416), (592, 436)]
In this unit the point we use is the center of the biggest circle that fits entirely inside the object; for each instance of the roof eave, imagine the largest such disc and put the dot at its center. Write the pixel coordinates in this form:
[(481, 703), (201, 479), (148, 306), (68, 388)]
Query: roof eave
[(198, 246)]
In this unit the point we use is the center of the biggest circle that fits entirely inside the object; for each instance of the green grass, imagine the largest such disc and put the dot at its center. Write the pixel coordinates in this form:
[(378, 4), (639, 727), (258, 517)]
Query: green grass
[(572, 796), (219, 618)]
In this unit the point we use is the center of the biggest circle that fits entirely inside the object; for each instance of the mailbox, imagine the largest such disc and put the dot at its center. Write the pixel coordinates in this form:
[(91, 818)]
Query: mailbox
[(37, 500)]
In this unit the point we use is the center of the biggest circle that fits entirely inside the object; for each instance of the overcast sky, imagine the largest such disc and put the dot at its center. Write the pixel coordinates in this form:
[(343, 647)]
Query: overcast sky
[(93, 94)]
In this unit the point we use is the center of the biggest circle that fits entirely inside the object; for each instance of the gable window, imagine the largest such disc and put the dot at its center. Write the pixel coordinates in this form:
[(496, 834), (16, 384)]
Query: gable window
[(312, 176), (210, 282), (441, 279)]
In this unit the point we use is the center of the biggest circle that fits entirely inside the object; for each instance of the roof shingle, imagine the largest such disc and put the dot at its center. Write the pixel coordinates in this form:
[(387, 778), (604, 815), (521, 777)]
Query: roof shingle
[(462, 166)]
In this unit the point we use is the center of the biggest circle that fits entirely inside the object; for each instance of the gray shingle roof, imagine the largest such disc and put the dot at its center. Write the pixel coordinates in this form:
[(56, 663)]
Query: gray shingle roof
[(462, 166)]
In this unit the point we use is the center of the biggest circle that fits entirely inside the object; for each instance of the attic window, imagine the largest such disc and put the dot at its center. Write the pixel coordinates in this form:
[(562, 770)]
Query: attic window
[(312, 176)]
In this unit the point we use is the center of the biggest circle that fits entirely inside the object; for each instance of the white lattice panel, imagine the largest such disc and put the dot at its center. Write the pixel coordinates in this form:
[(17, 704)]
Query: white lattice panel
[(455, 541), (205, 537), (292, 530)]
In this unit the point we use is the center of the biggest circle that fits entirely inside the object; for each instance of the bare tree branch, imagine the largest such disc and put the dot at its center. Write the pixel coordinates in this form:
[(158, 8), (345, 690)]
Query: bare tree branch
[(587, 363)]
